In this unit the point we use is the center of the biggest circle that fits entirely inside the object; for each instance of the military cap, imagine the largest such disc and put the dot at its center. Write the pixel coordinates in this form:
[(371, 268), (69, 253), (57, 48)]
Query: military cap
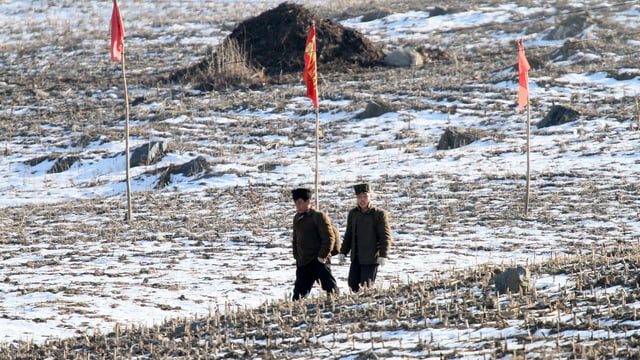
[(301, 193), (361, 188)]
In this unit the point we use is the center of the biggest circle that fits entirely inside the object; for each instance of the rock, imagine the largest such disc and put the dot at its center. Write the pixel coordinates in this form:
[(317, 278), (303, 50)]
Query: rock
[(63, 164), (189, 168), (148, 154), (194, 166), (512, 279), (558, 115), (375, 14), (457, 137), (438, 11), (624, 74), (404, 57), (137, 101), (375, 109)]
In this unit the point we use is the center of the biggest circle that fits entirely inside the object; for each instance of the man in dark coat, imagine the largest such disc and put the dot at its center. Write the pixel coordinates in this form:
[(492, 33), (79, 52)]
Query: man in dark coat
[(313, 240), (367, 238)]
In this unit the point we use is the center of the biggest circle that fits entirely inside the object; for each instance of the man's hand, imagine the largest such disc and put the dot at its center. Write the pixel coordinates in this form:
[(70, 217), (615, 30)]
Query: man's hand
[(381, 261), (342, 259)]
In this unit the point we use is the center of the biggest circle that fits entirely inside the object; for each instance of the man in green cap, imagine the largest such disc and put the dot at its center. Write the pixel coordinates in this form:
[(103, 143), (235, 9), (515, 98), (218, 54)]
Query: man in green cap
[(367, 238), (313, 240)]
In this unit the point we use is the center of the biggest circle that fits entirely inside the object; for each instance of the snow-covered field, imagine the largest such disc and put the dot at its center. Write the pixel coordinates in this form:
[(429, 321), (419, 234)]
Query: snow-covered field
[(71, 265)]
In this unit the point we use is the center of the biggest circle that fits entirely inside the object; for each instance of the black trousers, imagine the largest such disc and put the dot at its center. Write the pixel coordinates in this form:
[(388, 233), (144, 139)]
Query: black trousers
[(308, 274), (361, 275)]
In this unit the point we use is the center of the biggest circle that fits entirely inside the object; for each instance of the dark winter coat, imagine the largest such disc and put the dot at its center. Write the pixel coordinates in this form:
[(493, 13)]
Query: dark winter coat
[(311, 239), (368, 232)]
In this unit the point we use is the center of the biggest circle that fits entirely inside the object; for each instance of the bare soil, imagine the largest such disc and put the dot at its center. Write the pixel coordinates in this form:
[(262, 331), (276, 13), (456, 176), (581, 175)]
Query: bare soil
[(53, 99)]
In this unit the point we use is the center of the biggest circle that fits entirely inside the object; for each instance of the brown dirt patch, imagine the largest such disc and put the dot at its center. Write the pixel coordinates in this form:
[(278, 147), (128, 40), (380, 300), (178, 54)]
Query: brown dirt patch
[(274, 44)]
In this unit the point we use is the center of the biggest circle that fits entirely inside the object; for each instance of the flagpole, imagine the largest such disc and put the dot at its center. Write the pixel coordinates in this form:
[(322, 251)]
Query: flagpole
[(317, 154), (523, 100), (117, 55), (310, 77), (129, 216), (526, 197)]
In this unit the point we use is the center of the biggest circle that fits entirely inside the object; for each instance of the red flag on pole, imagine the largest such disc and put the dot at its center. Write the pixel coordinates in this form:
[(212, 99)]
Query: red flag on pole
[(310, 74), (523, 68), (117, 34)]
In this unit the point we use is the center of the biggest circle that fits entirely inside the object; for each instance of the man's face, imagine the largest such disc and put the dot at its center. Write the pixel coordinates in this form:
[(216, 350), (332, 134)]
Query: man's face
[(364, 199), (302, 205)]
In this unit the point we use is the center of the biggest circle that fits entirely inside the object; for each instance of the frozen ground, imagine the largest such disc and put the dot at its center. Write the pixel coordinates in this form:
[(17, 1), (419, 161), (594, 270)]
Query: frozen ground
[(218, 240)]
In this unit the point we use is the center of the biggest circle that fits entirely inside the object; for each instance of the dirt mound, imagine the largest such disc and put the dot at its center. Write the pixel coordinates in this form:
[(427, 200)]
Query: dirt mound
[(275, 41)]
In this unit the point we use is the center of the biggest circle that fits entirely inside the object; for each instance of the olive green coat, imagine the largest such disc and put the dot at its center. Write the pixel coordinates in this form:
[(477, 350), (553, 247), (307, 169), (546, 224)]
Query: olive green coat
[(369, 232), (311, 239)]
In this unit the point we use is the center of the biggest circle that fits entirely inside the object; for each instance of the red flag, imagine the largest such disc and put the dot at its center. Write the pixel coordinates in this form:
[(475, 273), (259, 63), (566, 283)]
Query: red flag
[(117, 34), (310, 73), (523, 68)]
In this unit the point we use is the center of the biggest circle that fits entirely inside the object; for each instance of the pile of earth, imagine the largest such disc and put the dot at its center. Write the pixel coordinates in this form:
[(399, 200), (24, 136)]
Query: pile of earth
[(274, 44)]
